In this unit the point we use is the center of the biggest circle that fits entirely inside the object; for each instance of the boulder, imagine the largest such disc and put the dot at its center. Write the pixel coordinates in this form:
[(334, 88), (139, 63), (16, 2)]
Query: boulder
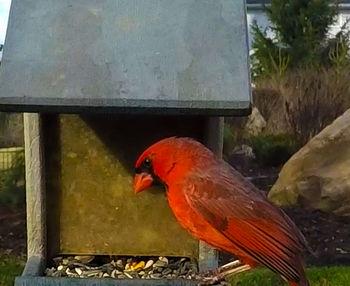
[(256, 123), (318, 175)]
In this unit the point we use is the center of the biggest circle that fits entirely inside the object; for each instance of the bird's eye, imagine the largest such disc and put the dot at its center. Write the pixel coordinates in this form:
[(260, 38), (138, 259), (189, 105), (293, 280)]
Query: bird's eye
[(147, 162)]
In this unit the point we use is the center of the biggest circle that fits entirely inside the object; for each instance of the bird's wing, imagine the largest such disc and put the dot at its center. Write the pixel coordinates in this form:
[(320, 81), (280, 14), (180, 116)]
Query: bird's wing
[(235, 208)]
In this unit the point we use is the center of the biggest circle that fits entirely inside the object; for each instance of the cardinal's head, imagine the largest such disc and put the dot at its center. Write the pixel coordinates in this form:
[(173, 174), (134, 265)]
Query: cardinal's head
[(167, 161)]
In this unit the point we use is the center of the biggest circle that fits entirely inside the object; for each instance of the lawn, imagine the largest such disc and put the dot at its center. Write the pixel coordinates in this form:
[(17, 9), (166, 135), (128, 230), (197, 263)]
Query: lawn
[(318, 276), (10, 267)]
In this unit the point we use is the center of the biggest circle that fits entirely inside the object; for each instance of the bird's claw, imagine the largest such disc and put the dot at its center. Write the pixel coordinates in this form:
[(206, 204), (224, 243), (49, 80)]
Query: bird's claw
[(209, 273), (211, 277)]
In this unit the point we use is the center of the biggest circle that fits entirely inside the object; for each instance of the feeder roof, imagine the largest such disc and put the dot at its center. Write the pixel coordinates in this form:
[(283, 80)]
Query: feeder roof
[(181, 56), (268, 1)]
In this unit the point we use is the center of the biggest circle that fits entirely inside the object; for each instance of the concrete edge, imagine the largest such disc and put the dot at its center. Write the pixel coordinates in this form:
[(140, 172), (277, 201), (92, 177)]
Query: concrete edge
[(35, 266)]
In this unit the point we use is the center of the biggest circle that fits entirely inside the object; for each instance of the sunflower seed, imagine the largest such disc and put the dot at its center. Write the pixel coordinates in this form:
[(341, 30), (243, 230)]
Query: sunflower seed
[(85, 259), (156, 276), (166, 271), (128, 275), (149, 263), (78, 271)]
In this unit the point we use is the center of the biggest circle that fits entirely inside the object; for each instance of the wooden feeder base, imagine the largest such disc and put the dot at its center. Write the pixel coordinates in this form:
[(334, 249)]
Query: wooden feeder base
[(49, 281)]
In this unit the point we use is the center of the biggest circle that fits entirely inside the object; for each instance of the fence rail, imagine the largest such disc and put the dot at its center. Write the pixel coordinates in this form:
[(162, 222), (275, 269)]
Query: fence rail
[(8, 157)]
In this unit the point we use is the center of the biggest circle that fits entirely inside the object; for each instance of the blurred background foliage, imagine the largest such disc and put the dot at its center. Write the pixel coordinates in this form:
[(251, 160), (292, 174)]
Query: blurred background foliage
[(301, 76), (301, 38), (12, 181)]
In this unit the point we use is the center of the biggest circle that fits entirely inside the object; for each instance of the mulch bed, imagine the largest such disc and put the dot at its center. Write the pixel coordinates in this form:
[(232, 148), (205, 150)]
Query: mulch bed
[(13, 232)]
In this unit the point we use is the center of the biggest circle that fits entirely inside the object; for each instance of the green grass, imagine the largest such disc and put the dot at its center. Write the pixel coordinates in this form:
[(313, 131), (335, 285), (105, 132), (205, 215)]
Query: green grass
[(318, 276), (10, 267)]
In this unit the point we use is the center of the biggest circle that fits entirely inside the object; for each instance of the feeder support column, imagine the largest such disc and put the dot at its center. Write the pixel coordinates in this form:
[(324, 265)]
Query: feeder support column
[(35, 194), (208, 257)]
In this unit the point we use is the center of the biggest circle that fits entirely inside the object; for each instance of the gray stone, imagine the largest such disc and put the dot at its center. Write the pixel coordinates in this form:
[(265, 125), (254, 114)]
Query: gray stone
[(256, 123), (318, 175)]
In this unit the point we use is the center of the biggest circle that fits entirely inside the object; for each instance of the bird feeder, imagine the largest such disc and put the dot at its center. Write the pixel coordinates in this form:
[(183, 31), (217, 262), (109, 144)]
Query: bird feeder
[(99, 81)]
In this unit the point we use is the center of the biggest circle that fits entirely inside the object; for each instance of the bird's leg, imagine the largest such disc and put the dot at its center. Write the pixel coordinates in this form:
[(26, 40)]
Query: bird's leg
[(230, 265), (216, 271), (221, 276)]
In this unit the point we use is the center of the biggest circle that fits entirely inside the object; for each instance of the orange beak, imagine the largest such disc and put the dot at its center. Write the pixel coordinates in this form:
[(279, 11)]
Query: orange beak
[(142, 181)]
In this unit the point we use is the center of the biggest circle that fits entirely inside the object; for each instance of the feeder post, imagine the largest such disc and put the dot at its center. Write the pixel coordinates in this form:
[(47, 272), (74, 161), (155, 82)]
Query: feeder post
[(35, 194), (214, 136), (208, 257)]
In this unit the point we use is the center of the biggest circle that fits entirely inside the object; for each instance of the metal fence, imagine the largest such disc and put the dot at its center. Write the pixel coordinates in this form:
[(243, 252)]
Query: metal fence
[(8, 157)]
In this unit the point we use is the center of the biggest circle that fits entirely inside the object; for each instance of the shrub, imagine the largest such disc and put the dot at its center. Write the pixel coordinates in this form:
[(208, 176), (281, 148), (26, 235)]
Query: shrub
[(300, 38), (273, 150)]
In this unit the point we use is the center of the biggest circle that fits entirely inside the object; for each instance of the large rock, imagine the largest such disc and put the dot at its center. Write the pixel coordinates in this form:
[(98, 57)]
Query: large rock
[(318, 176), (256, 123)]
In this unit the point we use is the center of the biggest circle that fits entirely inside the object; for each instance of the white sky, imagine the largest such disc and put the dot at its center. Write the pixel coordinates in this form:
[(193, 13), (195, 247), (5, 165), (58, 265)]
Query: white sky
[(4, 14)]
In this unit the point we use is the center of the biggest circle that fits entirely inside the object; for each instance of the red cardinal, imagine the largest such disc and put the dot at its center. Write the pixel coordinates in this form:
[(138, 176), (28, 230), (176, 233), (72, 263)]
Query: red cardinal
[(216, 204)]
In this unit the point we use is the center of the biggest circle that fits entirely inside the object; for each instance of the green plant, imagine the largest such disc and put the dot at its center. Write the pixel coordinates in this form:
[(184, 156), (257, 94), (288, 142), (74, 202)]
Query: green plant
[(273, 150), (267, 58), (281, 65), (299, 31), (339, 49), (12, 186), (10, 267)]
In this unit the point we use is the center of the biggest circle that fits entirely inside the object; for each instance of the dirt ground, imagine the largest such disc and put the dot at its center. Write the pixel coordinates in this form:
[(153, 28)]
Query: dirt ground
[(327, 235)]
